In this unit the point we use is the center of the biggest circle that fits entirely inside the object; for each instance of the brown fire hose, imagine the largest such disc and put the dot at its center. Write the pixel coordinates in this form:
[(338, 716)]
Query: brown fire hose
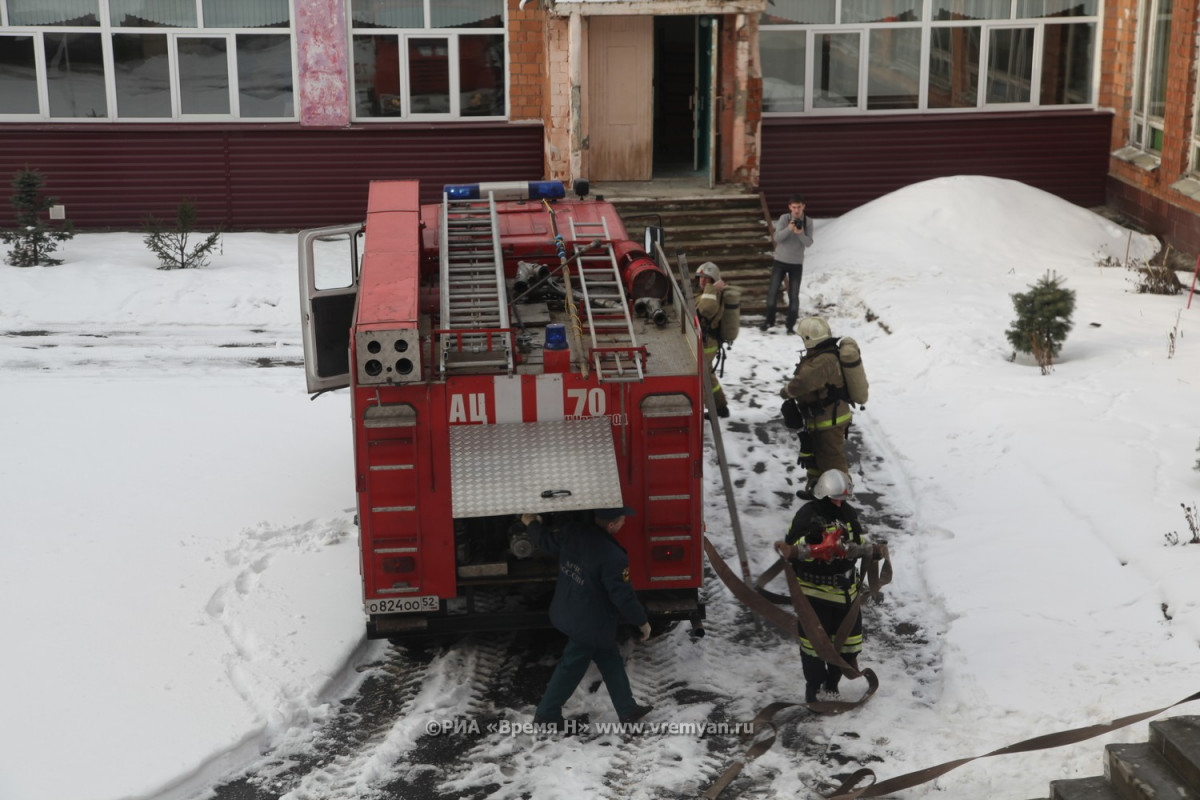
[(850, 789), (1045, 742), (804, 616)]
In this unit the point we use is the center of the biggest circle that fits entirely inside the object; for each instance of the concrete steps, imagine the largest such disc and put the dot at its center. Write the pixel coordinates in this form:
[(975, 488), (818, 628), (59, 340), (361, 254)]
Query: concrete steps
[(1167, 766), (731, 230)]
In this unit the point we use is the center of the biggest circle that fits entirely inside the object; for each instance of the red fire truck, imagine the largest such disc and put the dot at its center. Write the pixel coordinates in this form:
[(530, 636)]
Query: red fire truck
[(509, 350)]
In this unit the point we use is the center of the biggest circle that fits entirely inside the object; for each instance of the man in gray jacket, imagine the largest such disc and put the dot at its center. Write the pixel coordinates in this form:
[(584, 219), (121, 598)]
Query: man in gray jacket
[(793, 233)]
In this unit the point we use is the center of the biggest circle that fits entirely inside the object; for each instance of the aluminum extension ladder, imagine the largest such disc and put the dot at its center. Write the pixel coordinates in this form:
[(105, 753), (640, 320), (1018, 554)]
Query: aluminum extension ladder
[(615, 354), (475, 326)]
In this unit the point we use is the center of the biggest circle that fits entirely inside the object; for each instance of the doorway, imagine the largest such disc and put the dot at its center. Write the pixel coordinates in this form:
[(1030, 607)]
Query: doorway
[(651, 93), (683, 96)]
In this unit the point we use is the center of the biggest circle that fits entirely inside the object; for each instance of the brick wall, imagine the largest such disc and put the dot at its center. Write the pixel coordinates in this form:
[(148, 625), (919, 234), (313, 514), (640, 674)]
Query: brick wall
[(527, 61), (1118, 33), (1145, 195)]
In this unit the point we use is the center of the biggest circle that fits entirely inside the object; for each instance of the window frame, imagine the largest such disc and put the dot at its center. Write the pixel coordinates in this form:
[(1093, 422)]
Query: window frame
[(107, 32), (1142, 124), (1193, 161), (402, 37), (981, 70)]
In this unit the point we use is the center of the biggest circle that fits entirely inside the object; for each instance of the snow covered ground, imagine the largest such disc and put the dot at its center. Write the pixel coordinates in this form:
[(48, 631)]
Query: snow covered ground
[(179, 587)]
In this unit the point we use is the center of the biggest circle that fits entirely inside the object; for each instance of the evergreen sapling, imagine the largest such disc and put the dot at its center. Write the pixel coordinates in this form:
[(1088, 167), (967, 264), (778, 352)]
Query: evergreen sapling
[(171, 245), (1043, 320), (33, 239)]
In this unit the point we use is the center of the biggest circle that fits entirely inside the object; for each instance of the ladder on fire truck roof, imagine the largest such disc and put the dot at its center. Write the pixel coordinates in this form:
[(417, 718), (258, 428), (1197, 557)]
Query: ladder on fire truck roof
[(475, 327), (615, 354)]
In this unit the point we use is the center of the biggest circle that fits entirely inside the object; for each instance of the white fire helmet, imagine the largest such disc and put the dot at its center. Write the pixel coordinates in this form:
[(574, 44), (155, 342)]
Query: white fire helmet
[(709, 270), (834, 484), (813, 330)]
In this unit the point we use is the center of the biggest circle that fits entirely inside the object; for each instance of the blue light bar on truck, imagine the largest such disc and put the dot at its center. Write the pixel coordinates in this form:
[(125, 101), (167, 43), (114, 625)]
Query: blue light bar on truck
[(507, 190)]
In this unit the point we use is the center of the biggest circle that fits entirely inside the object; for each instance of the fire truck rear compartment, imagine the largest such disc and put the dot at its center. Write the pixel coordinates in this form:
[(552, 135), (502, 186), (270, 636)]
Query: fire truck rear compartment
[(499, 589), (472, 407)]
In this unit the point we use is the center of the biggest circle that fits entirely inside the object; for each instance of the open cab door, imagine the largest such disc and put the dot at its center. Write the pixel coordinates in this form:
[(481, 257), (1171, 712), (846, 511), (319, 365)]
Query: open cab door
[(330, 261)]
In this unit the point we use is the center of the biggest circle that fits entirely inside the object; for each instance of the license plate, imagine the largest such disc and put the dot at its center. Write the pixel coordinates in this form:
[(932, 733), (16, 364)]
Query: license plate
[(402, 605)]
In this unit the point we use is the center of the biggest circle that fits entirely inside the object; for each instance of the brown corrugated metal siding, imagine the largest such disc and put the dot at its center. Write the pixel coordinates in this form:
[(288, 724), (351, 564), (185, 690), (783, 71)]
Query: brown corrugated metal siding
[(842, 163), (261, 178)]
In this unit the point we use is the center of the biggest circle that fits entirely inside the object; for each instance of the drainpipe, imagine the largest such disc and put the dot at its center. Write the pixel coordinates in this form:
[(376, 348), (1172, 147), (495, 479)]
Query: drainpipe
[(575, 73)]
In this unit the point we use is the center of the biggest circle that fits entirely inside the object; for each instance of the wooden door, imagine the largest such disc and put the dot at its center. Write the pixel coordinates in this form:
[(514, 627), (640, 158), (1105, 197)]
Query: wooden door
[(620, 98)]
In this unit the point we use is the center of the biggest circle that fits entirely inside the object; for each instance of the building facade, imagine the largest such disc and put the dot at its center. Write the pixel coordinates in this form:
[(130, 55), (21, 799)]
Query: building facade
[(1150, 80), (276, 113)]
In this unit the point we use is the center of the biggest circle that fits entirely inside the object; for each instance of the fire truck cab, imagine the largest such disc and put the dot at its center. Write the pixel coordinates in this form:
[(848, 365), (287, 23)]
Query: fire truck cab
[(508, 351)]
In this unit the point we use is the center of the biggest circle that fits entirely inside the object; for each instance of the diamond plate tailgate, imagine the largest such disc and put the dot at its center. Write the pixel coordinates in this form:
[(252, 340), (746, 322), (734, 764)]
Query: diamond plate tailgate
[(534, 467)]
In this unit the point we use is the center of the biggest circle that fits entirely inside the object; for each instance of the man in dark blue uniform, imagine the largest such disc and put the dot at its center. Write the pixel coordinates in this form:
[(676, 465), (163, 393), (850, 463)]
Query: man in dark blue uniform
[(592, 594)]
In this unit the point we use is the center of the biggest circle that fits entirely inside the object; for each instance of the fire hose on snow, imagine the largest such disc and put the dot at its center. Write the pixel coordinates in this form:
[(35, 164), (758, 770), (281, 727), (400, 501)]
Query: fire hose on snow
[(850, 788)]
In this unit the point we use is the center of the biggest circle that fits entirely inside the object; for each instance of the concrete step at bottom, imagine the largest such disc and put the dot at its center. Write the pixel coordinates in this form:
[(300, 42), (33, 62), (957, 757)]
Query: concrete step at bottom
[(1178, 739), (1139, 772), (1097, 788)]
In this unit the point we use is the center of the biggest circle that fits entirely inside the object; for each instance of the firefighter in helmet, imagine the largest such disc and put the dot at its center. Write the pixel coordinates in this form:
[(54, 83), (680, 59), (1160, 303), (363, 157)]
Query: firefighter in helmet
[(710, 307), (818, 388), (829, 578)]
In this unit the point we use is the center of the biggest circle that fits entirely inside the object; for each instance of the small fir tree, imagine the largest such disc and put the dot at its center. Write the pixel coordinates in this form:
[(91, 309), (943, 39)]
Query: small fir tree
[(34, 239), (170, 245), (1043, 320)]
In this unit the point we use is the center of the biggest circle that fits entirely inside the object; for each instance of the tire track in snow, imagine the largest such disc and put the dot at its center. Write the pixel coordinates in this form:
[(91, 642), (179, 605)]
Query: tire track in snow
[(470, 666), (59, 347)]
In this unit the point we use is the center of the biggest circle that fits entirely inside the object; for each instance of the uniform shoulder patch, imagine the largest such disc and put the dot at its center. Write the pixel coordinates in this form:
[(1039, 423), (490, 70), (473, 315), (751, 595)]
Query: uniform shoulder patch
[(625, 574)]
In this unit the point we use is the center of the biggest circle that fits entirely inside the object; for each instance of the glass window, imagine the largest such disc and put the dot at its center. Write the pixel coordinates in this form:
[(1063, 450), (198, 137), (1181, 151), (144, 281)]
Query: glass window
[(387, 13), (954, 67), (18, 75), (782, 57), (53, 12), (1156, 68), (142, 71), (377, 76), (1057, 8), (74, 64), (150, 59), (152, 13), (899, 56), (246, 13), (1150, 88), (481, 75), (264, 68), (971, 9), (894, 69), (429, 75), (1068, 53), (854, 11), (203, 75), (436, 64), (1194, 148), (466, 13), (835, 70), (804, 12), (1010, 65)]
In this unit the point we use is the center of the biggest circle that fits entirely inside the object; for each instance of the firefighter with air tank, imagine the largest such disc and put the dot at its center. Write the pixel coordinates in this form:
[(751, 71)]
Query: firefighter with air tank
[(717, 306), (818, 399)]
